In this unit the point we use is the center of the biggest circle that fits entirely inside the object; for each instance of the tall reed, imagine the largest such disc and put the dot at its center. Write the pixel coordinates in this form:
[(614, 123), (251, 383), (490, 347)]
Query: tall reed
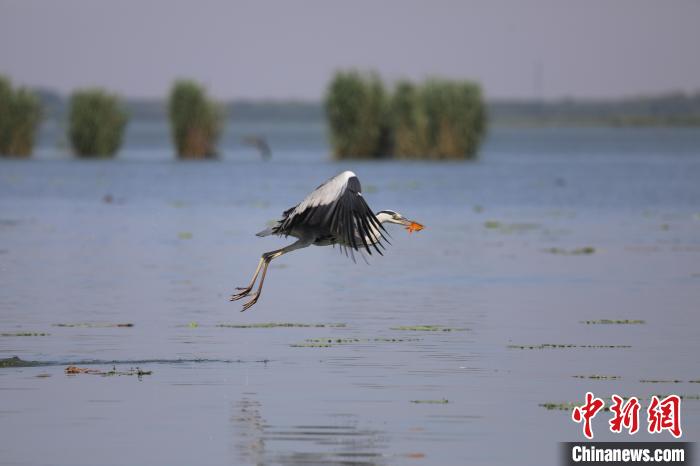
[(20, 114), (357, 109), (409, 122), (456, 118), (438, 119), (96, 123), (195, 121)]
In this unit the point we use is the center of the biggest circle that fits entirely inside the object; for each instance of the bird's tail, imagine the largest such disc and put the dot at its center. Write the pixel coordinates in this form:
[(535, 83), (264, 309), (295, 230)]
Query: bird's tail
[(266, 232)]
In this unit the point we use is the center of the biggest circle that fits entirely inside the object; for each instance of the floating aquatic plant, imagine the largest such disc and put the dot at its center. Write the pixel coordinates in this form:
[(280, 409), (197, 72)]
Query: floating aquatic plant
[(15, 361), (427, 328), (659, 381), (597, 377), (310, 345), (610, 321), (551, 406), (94, 325), (359, 340), (24, 334), (443, 401), (510, 227), (571, 252), (282, 324), (564, 345), (328, 342)]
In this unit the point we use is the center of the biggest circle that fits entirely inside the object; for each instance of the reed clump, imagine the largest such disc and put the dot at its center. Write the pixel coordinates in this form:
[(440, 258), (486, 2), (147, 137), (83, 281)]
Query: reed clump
[(357, 109), (195, 121), (96, 123), (20, 114), (456, 118), (410, 122), (438, 119)]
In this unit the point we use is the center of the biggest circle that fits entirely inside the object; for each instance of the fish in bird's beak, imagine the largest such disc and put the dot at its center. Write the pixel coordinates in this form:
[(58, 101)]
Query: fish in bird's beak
[(411, 225)]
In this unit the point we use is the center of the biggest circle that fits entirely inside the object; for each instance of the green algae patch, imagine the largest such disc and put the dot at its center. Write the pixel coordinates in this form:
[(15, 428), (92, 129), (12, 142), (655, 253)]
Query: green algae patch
[(564, 346), (558, 406), (586, 250), (329, 342), (177, 204), (659, 381), (310, 345), (282, 325), (510, 227), (427, 328), (568, 406), (332, 341), (614, 322), (24, 334), (341, 341), (95, 325), (184, 235), (597, 377), (443, 401), (17, 362)]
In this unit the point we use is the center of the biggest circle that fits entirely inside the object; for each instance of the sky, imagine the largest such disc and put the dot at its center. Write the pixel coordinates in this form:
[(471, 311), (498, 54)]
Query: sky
[(288, 49)]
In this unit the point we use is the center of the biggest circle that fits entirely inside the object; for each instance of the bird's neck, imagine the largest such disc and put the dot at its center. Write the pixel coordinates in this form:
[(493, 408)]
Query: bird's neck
[(383, 217)]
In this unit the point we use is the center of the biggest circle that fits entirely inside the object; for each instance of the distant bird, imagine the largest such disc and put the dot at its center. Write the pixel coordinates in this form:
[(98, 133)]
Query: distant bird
[(335, 213), (260, 143)]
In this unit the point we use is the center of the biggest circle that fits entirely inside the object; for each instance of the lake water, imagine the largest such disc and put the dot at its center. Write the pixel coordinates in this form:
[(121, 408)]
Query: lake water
[(505, 263)]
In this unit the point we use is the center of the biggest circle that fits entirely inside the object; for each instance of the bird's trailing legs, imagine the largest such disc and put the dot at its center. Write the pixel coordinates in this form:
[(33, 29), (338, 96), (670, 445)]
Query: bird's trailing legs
[(263, 264), (245, 290)]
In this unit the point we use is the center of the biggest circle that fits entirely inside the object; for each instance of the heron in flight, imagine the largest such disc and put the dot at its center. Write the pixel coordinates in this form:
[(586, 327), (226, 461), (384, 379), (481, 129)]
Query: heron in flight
[(260, 143), (335, 213)]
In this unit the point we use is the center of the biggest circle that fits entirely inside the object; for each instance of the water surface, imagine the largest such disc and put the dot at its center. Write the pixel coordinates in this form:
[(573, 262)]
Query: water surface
[(146, 240)]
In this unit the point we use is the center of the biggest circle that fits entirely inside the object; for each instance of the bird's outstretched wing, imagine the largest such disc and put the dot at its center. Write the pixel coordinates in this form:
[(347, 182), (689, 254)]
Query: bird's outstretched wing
[(337, 207)]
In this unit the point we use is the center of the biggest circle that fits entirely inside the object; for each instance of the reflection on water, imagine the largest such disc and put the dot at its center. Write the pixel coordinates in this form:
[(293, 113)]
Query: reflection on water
[(261, 443), (250, 429), (496, 265)]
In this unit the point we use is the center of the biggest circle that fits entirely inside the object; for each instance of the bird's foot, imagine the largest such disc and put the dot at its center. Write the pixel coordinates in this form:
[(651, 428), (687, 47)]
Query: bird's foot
[(241, 294), (250, 303)]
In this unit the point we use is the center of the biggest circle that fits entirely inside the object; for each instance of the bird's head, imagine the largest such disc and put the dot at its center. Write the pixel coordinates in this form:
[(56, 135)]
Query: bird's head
[(389, 216)]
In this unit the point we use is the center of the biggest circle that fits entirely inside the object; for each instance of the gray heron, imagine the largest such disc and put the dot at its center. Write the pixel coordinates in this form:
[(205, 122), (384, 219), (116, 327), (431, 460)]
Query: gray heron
[(335, 213), (260, 143)]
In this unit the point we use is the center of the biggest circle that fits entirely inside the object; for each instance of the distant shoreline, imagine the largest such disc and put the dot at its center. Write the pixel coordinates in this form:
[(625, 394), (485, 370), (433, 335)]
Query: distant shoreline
[(672, 109)]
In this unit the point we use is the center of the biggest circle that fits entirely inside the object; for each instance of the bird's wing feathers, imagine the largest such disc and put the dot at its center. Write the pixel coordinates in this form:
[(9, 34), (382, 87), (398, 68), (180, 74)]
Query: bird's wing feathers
[(337, 206)]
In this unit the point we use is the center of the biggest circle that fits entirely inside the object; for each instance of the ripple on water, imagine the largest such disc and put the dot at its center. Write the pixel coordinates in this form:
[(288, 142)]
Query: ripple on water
[(331, 444)]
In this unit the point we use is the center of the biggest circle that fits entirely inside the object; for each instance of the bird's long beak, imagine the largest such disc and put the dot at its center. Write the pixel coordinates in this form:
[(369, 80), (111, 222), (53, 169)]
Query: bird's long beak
[(411, 225)]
